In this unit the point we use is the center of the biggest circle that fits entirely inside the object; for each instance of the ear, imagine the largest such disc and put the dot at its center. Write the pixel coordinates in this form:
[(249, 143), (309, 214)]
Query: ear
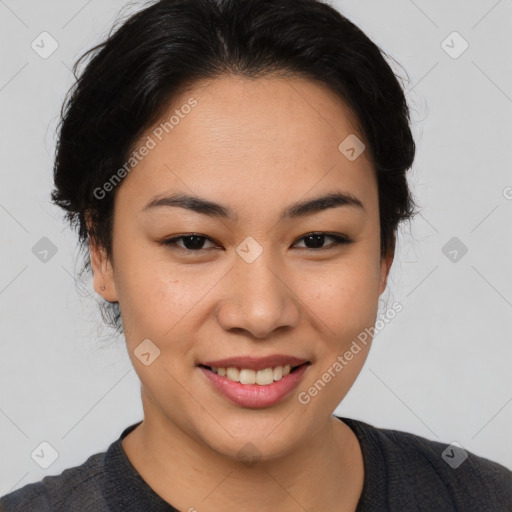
[(385, 266), (102, 270)]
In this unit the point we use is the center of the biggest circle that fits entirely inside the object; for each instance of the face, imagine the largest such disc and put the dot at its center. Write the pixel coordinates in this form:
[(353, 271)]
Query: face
[(255, 277)]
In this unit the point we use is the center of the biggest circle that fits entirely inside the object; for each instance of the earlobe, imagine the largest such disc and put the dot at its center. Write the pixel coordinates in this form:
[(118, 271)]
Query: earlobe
[(103, 274), (385, 267)]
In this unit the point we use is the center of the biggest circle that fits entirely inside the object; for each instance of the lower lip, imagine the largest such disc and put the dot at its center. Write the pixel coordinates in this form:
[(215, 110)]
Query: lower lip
[(254, 395)]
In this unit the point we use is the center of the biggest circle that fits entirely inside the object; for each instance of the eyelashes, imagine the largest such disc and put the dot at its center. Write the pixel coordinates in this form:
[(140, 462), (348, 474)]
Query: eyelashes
[(338, 240), (193, 242)]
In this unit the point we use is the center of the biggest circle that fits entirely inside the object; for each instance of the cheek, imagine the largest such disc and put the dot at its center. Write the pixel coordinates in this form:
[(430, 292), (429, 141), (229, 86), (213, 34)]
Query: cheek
[(162, 301), (343, 305), (343, 295)]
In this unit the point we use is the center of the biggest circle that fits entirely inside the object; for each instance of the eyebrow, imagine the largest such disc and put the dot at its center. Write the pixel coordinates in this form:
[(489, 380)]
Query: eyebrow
[(212, 209)]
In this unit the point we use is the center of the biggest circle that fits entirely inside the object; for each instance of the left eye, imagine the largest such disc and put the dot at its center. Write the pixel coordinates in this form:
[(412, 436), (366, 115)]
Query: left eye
[(317, 239), (195, 242)]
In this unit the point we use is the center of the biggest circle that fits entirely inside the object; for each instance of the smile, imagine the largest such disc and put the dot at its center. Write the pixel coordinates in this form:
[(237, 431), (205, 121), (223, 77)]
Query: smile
[(248, 376), (255, 388)]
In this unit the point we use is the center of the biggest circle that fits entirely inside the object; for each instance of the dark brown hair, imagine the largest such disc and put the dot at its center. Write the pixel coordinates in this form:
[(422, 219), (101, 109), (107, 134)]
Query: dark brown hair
[(133, 75)]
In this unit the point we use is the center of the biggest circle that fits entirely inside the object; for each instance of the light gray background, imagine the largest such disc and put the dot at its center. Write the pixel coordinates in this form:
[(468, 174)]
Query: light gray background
[(440, 369)]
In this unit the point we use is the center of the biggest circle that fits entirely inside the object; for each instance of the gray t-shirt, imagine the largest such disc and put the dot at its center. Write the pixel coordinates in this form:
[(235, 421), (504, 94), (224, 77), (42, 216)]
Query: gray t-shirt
[(403, 472)]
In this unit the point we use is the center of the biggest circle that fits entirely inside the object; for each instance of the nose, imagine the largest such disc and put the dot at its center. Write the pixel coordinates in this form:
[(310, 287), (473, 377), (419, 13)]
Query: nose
[(258, 298)]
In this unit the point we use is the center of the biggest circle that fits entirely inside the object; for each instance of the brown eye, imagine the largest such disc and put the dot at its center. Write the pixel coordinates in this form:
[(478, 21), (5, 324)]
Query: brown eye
[(315, 241), (192, 242)]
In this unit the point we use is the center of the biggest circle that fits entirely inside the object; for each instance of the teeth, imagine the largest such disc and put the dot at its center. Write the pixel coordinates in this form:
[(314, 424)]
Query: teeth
[(233, 374), (247, 376), (264, 377)]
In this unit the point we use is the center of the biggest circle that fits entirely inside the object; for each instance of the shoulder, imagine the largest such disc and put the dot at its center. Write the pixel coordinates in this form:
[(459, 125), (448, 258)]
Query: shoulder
[(420, 470), (449, 460), (76, 488)]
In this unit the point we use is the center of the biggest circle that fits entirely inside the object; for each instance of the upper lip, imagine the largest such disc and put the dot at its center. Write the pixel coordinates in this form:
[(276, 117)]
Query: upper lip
[(256, 363)]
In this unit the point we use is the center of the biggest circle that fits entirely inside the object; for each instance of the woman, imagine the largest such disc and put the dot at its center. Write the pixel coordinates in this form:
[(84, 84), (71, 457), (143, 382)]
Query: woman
[(237, 172)]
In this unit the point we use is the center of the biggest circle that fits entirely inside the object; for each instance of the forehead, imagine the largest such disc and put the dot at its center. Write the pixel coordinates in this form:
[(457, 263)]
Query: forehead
[(249, 114), (237, 137)]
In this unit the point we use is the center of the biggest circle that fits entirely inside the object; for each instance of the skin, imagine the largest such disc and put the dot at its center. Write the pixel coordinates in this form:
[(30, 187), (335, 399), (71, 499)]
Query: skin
[(256, 146)]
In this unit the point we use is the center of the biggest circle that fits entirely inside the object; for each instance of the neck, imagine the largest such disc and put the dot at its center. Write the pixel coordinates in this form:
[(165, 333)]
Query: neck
[(324, 474)]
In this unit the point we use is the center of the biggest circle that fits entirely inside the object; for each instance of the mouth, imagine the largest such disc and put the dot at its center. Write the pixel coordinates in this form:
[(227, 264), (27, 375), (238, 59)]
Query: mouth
[(248, 376), (255, 388)]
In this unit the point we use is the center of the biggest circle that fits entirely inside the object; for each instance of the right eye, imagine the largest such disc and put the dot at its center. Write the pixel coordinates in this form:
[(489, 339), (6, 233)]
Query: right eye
[(192, 242)]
